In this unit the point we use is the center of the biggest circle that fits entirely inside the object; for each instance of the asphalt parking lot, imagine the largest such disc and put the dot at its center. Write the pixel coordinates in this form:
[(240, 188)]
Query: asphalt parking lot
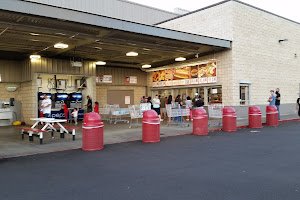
[(248, 164)]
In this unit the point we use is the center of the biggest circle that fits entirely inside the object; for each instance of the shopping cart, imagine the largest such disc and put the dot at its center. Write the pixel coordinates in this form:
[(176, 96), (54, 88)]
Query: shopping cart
[(136, 113), (215, 112), (177, 113), (117, 113), (105, 114)]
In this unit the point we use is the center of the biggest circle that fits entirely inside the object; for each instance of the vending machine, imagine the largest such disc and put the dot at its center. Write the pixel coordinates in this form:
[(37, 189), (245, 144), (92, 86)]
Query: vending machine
[(60, 99), (76, 100)]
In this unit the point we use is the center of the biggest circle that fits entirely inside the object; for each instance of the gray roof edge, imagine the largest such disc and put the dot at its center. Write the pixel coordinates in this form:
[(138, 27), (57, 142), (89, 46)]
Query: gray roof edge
[(142, 5), (225, 1), (107, 22), (195, 11)]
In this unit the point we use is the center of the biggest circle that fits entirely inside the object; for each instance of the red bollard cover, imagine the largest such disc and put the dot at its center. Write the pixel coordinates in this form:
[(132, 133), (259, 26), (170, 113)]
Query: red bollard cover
[(92, 132), (254, 117), (200, 122), (271, 109), (150, 127), (91, 119), (228, 111), (254, 110), (198, 112), (271, 116), (229, 120)]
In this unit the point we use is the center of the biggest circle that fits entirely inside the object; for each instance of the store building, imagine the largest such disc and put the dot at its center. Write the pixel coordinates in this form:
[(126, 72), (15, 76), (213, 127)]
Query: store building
[(234, 53)]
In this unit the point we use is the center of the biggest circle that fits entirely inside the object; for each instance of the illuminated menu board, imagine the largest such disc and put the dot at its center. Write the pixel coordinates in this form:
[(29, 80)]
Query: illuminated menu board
[(191, 75)]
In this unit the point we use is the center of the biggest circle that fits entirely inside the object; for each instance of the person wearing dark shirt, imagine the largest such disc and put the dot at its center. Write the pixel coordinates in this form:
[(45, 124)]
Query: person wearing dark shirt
[(149, 101), (277, 102), (89, 105), (298, 105)]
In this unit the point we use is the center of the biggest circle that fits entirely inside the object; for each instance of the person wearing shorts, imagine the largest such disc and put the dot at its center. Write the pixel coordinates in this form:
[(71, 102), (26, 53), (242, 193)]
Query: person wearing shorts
[(156, 106), (163, 111)]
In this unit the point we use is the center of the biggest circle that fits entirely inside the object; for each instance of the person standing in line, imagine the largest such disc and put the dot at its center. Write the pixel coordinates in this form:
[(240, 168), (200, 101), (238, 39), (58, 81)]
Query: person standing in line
[(143, 99), (89, 104), (189, 105), (298, 105), (170, 103), (195, 99), (277, 102), (179, 101), (163, 107), (46, 106), (272, 98), (156, 106), (96, 108), (149, 101)]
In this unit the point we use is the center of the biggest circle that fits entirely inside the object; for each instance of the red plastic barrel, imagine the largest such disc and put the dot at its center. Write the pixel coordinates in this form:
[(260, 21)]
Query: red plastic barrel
[(200, 122), (92, 132), (150, 127), (272, 116), (254, 117), (229, 119)]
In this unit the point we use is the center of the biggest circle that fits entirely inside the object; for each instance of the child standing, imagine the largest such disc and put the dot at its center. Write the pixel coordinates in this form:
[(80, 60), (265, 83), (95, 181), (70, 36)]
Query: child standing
[(96, 108), (75, 115)]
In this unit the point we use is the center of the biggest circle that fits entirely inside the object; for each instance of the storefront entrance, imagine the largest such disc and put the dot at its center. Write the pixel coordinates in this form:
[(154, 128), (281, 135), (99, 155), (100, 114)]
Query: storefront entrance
[(209, 94)]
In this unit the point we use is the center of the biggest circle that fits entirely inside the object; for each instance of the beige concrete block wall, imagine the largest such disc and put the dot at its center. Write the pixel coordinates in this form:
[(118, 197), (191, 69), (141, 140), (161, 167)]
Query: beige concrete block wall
[(28, 95), (213, 22), (260, 58), (101, 92), (5, 95)]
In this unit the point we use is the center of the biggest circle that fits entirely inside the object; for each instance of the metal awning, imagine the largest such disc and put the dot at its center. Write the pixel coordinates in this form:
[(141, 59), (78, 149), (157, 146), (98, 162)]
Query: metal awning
[(27, 28)]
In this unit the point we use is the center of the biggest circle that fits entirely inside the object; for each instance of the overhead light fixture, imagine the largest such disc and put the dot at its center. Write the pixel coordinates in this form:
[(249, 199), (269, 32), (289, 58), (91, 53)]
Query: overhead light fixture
[(146, 66), (35, 57), (100, 63), (34, 34), (132, 53), (180, 59), (61, 46)]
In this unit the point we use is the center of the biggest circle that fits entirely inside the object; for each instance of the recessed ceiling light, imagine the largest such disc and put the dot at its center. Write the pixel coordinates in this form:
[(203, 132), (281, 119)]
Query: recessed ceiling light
[(132, 53), (60, 34), (100, 63), (34, 34), (146, 66), (180, 59), (61, 46), (35, 56)]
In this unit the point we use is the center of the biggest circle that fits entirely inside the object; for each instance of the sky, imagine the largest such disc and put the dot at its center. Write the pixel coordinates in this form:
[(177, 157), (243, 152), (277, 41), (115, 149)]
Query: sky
[(286, 8)]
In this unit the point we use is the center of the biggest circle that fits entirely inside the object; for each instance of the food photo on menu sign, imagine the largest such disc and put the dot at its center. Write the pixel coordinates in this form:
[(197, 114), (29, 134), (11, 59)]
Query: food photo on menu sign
[(182, 73)]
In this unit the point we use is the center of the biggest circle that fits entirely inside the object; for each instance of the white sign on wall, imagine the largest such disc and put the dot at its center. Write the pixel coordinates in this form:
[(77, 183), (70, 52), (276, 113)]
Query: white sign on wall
[(127, 100)]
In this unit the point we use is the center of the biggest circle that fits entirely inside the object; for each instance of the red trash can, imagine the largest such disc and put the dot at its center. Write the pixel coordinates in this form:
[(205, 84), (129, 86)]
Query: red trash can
[(254, 117), (200, 122), (272, 116), (229, 120), (150, 127), (92, 132)]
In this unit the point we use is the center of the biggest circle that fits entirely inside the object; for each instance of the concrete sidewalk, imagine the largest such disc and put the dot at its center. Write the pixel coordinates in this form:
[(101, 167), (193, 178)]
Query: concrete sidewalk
[(12, 145)]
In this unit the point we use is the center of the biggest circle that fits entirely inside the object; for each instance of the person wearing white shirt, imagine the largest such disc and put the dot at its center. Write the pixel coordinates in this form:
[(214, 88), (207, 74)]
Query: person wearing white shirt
[(189, 105), (46, 106)]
